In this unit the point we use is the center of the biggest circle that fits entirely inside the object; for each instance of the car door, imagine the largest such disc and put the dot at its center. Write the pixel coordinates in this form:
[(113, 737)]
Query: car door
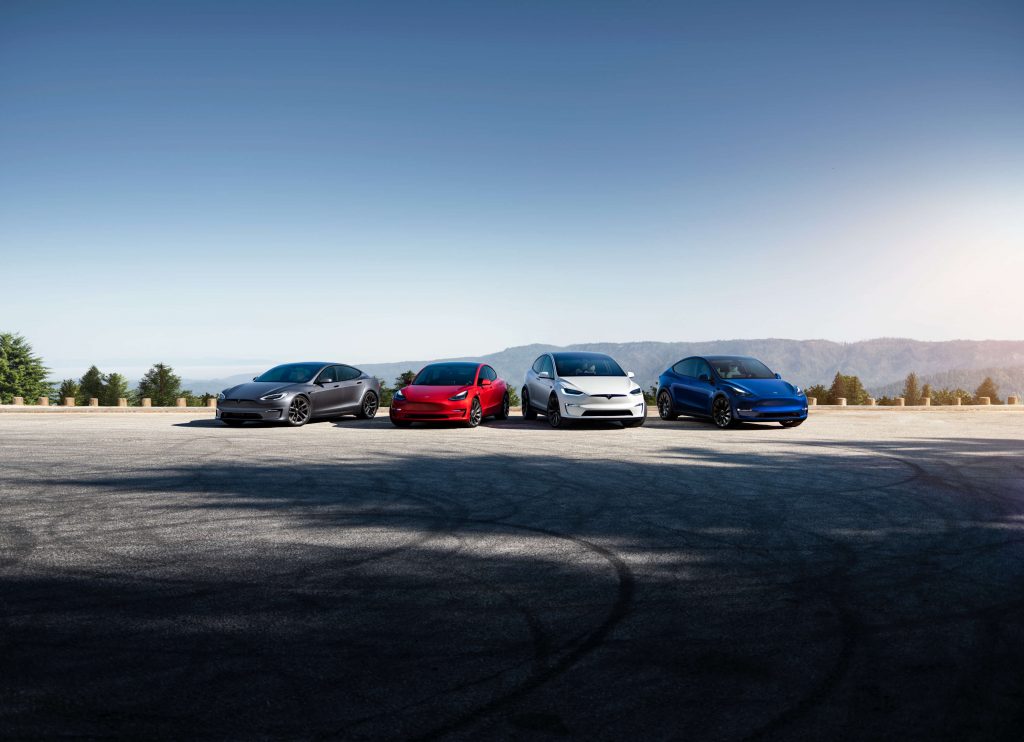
[(703, 389), (326, 392), (490, 395), (541, 388), (683, 378), (351, 387)]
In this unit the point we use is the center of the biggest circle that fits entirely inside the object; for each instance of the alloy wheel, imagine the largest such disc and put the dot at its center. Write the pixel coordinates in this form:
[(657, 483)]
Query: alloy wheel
[(298, 411), (665, 406), (476, 413), (370, 405), (554, 413), (722, 412)]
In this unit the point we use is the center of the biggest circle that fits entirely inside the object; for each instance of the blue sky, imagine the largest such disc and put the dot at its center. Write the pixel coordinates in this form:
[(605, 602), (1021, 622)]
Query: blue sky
[(222, 185)]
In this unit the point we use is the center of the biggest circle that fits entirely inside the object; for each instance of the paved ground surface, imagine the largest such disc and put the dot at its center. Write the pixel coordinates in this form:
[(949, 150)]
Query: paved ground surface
[(860, 577)]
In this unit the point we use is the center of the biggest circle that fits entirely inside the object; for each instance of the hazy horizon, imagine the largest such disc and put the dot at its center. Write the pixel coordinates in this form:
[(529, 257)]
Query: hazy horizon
[(199, 182)]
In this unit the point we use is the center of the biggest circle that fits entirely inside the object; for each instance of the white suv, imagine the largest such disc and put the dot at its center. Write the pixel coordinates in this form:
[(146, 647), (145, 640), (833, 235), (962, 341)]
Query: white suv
[(575, 385)]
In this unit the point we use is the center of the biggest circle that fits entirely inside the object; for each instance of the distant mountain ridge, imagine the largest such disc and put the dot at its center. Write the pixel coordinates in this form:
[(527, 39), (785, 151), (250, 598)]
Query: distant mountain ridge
[(881, 364)]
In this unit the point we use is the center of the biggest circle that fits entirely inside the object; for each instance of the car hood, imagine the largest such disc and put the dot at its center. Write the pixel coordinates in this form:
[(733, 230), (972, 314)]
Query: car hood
[(425, 393), (601, 384), (256, 389), (763, 387)]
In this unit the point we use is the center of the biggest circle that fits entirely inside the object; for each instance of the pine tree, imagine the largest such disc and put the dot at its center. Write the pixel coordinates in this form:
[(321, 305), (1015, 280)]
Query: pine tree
[(115, 387), (404, 379), (988, 388), (160, 385), (513, 397), (22, 373), (910, 390), (926, 392), (68, 388), (90, 386), (838, 389)]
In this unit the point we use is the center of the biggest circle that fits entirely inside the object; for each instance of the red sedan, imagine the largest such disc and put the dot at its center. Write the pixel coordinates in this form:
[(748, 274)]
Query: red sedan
[(456, 392)]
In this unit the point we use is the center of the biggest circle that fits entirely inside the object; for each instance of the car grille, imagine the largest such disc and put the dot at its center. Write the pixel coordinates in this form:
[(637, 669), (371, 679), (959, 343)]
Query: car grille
[(605, 413), (240, 402), (241, 416)]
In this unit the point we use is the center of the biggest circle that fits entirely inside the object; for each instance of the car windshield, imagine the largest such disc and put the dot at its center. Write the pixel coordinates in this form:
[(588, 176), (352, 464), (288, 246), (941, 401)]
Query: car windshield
[(569, 364), (446, 374), (741, 368), (291, 373)]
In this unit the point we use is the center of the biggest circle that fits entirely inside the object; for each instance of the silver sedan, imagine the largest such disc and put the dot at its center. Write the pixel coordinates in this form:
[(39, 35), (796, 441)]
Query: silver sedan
[(295, 393)]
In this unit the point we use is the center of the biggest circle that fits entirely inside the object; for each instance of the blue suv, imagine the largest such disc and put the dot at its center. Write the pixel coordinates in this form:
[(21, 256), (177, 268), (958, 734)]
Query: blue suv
[(729, 389)]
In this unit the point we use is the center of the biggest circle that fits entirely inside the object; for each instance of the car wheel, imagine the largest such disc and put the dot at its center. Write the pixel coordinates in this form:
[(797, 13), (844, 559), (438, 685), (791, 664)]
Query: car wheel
[(721, 412), (369, 406), (665, 407), (476, 414), (554, 413), (790, 423), (401, 423), (299, 412), (231, 423), (502, 414), (528, 412)]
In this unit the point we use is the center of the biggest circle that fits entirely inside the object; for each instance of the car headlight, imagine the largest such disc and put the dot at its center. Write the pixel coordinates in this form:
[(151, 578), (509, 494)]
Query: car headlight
[(796, 389), (459, 397), (398, 396), (271, 397), (220, 396), (638, 390), (737, 390), (571, 391)]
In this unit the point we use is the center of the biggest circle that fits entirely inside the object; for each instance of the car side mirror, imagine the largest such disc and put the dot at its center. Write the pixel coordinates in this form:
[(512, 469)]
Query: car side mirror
[(255, 377), (543, 375), (705, 377), (630, 374), (485, 382)]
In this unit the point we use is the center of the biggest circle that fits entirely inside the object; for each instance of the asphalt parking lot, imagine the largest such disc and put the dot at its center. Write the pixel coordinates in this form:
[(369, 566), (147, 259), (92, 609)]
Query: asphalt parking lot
[(859, 577)]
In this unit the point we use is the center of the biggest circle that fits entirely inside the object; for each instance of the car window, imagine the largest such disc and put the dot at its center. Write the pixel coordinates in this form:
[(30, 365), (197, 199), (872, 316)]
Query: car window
[(547, 365), (488, 373), (701, 368), (346, 373), (539, 363), (682, 368), (327, 376)]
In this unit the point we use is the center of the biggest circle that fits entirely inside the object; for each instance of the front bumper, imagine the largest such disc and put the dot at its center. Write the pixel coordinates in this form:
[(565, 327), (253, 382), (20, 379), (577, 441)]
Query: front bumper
[(586, 407), (431, 411), (254, 410), (770, 409)]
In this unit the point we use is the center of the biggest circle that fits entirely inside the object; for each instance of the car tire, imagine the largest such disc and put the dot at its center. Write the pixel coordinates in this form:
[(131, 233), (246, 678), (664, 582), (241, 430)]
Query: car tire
[(401, 423), (554, 413), (721, 412), (476, 413), (790, 423), (368, 407), (502, 413), (528, 412), (666, 409), (231, 423), (299, 412)]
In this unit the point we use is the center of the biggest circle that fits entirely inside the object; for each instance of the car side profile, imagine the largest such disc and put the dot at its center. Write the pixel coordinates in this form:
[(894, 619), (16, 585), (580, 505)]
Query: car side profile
[(463, 392), (727, 390), (295, 393), (579, 386)]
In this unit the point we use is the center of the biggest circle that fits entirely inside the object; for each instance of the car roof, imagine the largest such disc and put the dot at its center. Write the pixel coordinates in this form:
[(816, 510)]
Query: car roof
[(584, 353), (725, 357), (455, 363)]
